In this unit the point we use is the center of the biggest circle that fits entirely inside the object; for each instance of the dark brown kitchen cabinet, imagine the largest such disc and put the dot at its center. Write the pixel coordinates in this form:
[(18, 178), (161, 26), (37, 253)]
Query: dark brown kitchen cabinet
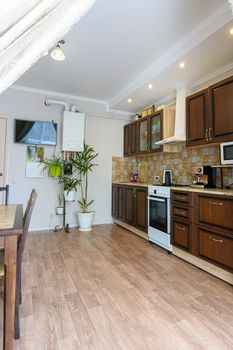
[(202, 225), (216, 248), (114, 200), (128, 203), (120, 202), (140, 200), (181, 234), (131, 204), (209, 116), (130, 139), (127, 140), (197, 114), (215, 211), (182, 220), (221, 111)]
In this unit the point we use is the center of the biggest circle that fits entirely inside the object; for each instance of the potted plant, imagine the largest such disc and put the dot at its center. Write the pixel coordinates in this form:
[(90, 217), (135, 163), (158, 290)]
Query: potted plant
[(54, 166), (60, 208), (70, 187), (83, 163)]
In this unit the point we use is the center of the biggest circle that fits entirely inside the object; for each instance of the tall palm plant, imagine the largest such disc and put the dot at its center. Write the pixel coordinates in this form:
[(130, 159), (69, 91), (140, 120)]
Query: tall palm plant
[(84, 164)]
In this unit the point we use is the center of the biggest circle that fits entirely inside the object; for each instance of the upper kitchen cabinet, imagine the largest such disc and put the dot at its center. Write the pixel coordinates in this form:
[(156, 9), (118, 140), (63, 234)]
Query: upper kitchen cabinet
[(221, 111), (130, 139), (155, 131), (141, 137), (209, 116), (197, 114)]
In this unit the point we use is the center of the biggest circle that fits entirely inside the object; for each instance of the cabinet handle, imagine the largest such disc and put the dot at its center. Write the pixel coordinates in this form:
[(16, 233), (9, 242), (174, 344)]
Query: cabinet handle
[(180, 228), (216, 203), (180, 197), (181, 212), (216, 240), (210, 138), (206, 135)]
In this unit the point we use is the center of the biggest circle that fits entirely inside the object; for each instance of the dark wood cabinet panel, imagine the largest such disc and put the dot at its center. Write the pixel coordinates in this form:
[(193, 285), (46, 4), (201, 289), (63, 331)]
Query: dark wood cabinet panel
[(141, 220), (197, 115), (114, 201), (221, 111), (215, 211), (181, 198), (215, 247), (120, 202), (128, 202), (133, 138), (181, 235), (127, 140)]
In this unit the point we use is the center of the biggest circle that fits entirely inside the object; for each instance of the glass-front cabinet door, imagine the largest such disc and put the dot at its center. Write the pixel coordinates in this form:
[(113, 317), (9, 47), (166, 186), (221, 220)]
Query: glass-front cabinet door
[(143, 136), (155, 131)]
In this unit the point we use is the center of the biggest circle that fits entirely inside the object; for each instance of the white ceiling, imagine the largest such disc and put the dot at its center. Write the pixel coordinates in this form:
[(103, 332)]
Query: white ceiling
[(120, 46)]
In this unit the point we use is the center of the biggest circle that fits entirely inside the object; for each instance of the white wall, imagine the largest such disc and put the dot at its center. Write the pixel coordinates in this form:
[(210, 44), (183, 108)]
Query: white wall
[(104, 135)]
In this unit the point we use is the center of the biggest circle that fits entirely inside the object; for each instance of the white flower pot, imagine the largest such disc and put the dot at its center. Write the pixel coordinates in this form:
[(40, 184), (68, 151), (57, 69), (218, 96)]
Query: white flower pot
[(69, 196), (59, 210), (85, 220)]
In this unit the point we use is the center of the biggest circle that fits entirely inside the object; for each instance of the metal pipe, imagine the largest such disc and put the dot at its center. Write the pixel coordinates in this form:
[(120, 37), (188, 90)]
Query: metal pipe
[(49, 102)]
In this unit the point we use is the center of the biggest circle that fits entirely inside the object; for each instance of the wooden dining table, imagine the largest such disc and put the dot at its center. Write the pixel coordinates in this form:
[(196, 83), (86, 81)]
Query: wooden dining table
[(11, 226)]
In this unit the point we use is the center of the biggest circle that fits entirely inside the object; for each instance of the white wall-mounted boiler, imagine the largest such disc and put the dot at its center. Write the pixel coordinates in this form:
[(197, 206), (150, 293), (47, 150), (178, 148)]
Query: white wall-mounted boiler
[(73, 131)]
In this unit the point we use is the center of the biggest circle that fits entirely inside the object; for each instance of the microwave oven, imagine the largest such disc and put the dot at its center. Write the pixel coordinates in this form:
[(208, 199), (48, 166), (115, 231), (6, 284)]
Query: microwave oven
[(226, 153)]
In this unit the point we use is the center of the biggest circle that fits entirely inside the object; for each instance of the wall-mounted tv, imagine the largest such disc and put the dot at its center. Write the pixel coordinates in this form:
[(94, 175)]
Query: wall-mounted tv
[(35, 132)]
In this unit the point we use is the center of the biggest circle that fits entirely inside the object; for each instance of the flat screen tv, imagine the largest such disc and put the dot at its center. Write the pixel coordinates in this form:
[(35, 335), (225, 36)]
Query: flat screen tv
[(35, 133)]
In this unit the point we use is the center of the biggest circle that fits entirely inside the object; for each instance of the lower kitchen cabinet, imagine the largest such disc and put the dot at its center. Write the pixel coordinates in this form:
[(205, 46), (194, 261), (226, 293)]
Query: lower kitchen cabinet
[(216, 248), (129, 204), (202, 225), (181, 235), (140, 204), (114, 201)]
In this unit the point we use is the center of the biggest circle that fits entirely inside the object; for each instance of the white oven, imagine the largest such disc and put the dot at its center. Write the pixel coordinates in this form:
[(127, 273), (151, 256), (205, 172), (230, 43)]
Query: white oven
[(226, 153), (159, 216)]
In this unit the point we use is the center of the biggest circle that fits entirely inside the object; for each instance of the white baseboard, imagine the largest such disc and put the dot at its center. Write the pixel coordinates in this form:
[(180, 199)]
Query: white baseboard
[(99, 222)]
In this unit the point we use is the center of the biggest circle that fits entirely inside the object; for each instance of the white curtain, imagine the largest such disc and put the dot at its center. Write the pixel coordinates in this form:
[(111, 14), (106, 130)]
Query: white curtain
[(29, 28), (231, 3)]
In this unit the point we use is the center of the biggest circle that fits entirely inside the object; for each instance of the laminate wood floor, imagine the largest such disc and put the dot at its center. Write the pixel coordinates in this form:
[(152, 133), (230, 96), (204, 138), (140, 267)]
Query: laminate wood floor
[(109, 289)]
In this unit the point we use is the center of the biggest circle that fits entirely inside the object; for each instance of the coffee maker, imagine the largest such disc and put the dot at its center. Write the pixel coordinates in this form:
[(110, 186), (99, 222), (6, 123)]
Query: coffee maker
[(203, 177)]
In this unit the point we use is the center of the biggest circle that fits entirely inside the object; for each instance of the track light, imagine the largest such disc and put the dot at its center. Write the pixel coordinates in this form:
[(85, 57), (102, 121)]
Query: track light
[(57, 53)]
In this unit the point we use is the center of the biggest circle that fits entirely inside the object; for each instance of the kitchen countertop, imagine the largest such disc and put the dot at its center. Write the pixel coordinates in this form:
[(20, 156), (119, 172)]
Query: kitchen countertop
[(217, 191), (131, 183)]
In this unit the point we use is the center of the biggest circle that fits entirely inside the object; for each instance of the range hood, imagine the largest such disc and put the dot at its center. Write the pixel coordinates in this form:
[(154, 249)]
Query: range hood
[(180, 123)]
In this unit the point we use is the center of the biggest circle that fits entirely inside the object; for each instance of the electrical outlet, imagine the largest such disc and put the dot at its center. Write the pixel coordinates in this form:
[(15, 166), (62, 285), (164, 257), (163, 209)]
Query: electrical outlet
[(157, 178)]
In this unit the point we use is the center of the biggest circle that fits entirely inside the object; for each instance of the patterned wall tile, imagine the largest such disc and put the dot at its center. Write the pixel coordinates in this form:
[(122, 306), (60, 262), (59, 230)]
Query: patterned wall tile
[(180, 164)]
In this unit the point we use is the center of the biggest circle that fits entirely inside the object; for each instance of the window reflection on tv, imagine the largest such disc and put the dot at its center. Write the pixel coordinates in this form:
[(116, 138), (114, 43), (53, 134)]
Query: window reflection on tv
[(35, 133)]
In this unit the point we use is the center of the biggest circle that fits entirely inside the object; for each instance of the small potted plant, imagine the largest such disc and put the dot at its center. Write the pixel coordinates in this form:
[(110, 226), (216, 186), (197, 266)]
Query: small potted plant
[(60, 208), (70, 187), (54, 166), (83, 163)]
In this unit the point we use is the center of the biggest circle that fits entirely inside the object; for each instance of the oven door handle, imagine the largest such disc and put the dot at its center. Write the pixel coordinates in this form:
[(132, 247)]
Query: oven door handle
[(156, 199)]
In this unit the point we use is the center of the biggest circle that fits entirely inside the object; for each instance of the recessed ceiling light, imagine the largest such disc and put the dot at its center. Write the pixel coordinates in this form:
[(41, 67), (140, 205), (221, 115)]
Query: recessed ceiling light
[(182, 65), (129, 100), (150, 86), (231, 31)]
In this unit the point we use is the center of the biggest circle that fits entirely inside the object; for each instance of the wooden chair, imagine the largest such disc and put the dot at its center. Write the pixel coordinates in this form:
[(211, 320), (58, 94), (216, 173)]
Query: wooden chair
[(5, 189), (20, 250)]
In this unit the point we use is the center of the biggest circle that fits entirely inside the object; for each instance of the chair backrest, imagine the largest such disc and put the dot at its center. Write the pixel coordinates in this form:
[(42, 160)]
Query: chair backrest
[(5, 189), (26, 223)]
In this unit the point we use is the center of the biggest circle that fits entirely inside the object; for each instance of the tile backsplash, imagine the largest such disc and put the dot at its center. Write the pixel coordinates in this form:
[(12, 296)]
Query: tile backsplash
[(179, 163)]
